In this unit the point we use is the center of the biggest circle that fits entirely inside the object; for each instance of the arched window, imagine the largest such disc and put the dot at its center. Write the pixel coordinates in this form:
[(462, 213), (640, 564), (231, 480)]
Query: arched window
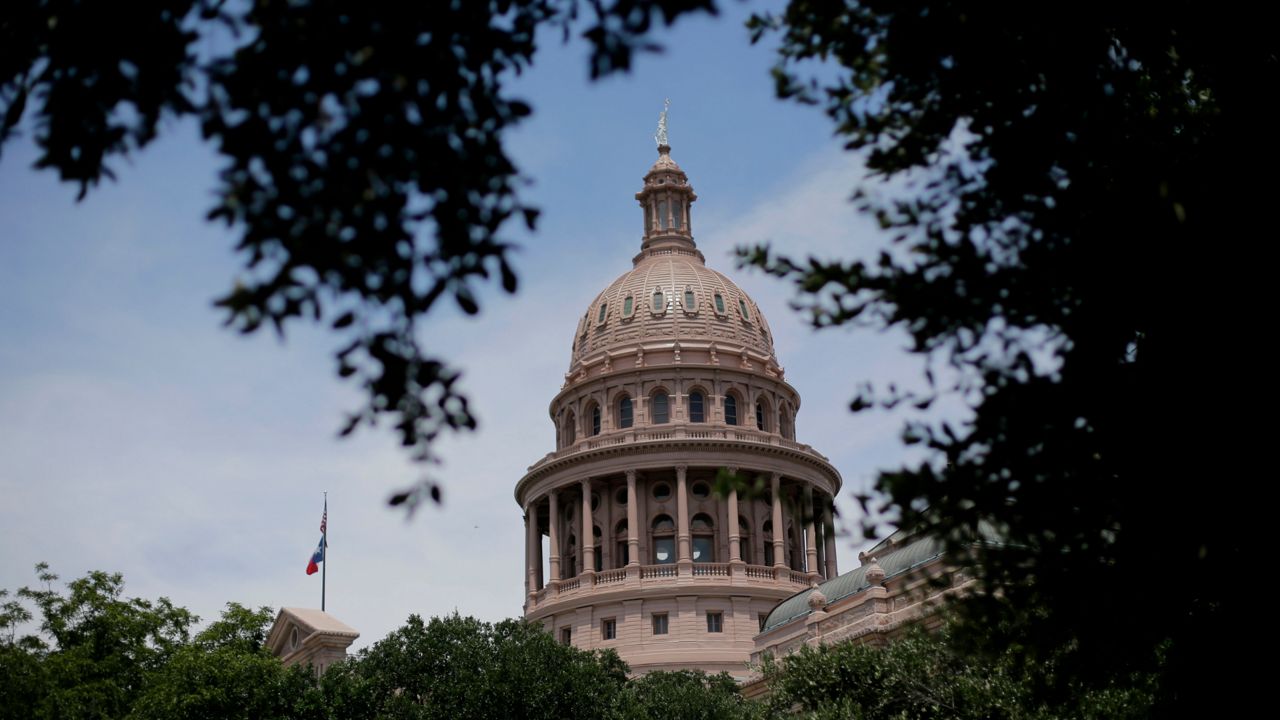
[(689, 304), (766, 531), (625, 417), (744, 539), (570, 429), (661, 408), (742, 305), (730, 410), (604, 308), (677, 209), (704, 538), (664, 540), (659, 302), (696, 405), (760, 416), (599, 549), (595, 419), (719, 304), (571, 557), (621, 545), (662, 214), (628, 305)]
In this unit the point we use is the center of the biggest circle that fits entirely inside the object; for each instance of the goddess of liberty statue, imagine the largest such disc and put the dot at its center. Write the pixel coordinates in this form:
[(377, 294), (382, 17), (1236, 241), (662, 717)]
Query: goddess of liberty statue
[(661, 137)]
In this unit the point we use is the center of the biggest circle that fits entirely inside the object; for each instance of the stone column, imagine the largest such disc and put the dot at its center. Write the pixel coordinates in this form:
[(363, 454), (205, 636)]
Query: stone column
[(530, 547), (587, 537), (810, 534), (830, 540), (607, 546), (822, 545), (735, 537), (554, 530), (633, 520), (779, 545), (797, 538), (682, 518)]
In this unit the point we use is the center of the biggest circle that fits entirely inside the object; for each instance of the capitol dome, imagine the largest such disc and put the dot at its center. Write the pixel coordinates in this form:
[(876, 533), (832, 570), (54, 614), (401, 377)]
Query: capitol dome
[(671, 295), (671, 301), (673, 388)]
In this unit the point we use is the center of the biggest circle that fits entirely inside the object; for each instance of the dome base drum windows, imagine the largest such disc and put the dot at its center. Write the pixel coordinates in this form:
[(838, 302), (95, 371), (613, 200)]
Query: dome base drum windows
[(622, 545), (696, 405), (661, 408), (715, 622), (664, 540), (625, 415), (730, 410), (704, 539), (659, 623)]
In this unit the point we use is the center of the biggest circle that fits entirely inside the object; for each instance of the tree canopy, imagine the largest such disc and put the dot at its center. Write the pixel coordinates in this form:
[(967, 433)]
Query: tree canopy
[(364, 166), (98, 654), (1071, 258), (923, 675)]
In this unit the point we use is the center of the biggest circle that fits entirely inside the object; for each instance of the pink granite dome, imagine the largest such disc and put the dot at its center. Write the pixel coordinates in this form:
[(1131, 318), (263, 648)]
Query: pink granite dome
[(670, 296), (674, 274)]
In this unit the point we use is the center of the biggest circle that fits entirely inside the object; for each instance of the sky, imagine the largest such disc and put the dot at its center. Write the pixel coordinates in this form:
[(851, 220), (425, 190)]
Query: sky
[(138, 435)]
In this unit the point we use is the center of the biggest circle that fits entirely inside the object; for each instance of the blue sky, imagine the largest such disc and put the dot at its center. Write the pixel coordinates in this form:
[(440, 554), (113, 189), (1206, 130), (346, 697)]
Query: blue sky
[(138, 435)]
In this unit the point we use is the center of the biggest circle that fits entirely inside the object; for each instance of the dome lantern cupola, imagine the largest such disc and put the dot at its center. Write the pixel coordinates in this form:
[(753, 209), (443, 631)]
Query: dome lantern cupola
[(665, 201)]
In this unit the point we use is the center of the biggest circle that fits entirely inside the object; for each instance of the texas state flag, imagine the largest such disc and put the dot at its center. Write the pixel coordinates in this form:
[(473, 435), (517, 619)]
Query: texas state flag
[(317, 557)]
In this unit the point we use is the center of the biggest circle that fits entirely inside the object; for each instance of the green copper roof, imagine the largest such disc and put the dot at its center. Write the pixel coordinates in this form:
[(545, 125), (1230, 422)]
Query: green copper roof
[(912, 555)]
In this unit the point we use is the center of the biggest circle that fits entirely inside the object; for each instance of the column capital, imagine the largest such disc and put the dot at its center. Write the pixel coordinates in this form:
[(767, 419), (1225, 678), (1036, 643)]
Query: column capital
[(631, 474), (682, 469)]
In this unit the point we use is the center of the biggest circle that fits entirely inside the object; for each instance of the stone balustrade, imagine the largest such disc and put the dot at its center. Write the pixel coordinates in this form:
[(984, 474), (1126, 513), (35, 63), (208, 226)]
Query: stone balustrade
[(726, 574), (711, 570)]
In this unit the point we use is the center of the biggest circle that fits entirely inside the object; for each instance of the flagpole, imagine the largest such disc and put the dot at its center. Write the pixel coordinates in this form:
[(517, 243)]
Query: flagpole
[(324, 547)]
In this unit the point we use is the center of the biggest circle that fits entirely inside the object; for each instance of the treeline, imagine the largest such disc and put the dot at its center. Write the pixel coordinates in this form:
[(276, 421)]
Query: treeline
[(93, 653)]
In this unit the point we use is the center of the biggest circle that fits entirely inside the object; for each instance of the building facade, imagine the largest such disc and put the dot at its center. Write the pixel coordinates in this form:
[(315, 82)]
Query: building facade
[(673, 379)]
